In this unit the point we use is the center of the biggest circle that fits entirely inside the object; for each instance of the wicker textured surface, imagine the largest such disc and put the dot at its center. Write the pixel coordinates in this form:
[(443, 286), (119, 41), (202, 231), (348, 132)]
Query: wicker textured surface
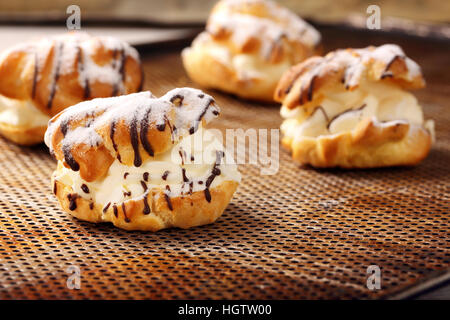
[(302, 233)]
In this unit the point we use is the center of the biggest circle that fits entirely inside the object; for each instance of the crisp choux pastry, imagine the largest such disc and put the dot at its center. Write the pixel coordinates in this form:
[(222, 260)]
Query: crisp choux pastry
[(141, 162), (40, 78), (247, 46), (351, 109)]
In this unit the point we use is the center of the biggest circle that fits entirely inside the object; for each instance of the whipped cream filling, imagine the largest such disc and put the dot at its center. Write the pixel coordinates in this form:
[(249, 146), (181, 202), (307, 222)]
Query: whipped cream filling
[(340, 111), (197, 162), (21, 113)]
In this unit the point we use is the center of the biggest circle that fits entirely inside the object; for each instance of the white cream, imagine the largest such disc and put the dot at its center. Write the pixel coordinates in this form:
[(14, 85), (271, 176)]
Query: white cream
[(21, 113), (246, 66), (342, 110), (202, 145)]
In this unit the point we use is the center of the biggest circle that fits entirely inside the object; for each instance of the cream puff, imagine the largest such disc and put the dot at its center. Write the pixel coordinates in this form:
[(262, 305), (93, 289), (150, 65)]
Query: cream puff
[(352, 109), (141, 162), (40, 78), (247, 46)]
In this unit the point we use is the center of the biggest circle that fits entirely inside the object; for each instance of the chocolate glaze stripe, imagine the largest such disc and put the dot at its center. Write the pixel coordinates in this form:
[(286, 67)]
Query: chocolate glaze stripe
[(112, 131), (64, 126), (177, 100), (72, 201), (193, 129), (144, 185), (166, 196), (55, 187), (183, 173), (69, 158), (124, 210), (106, 207), (116, 212), (56, 74), (85, 188), (311, 88), (147, 209), (86, 86), (215, 172), (35, 74), (144, 134), (135, 142)]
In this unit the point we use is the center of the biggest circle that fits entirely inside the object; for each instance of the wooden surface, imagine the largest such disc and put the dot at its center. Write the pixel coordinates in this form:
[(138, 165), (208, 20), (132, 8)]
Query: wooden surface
[(302, 233)]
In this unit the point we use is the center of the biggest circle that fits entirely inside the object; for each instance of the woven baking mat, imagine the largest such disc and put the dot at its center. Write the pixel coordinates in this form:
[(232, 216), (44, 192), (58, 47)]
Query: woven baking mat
[(302, 233)]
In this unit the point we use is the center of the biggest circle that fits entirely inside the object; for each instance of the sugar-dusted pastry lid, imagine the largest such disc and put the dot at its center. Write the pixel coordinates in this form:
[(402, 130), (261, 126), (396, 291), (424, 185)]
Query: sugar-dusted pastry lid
[(89, 136), (250, 25), (59, 71), (308, 81), (247, 46)]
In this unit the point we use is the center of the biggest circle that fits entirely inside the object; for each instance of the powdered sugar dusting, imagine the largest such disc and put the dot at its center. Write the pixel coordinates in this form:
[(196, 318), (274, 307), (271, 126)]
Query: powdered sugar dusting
[(279, 22), (191, 107), (355, 63)]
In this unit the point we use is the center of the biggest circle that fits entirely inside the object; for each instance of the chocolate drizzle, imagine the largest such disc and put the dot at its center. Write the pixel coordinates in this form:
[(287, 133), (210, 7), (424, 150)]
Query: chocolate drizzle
[(311, 88), (55, 76), (207, 195), (145, 176), (72, 201), (86, 86), (177, 100), (85, 188), (183, 173), (193, 129), (116, 212), (125, 175), (166, 196), (127, 194), (69, 158), (124, 210), (106, 207), (135, 142), (182, 154), (35, 74), (146, 206), (91, 205), (165, 174), (143, 134), (112, 131), (215, 172), (144, 185), (55, 187)]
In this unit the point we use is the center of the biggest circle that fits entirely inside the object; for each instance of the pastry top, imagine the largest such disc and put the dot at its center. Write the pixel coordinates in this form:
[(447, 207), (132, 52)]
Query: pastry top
[(133, 128), (250, 26), (59, 71), (305, 82)]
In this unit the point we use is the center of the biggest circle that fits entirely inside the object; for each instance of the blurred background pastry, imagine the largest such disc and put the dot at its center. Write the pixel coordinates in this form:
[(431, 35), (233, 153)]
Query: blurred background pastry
[(352, 109), (40, 78), (247, 46)]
